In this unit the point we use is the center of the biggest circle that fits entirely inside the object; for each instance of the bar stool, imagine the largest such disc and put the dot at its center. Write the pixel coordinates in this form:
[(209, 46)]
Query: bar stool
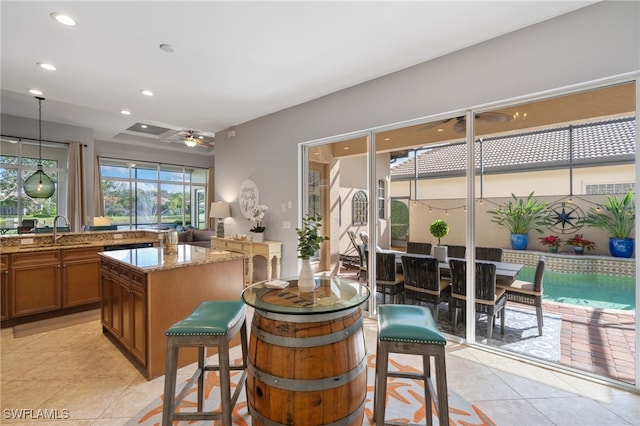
[(411, 330), (213, 323)]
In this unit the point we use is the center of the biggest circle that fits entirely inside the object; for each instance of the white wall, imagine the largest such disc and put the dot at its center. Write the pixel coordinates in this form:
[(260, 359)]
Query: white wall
[(595, 42)]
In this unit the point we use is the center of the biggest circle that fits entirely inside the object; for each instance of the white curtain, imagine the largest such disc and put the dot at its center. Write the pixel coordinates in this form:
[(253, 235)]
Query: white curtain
[(76, 203), (98, 198)]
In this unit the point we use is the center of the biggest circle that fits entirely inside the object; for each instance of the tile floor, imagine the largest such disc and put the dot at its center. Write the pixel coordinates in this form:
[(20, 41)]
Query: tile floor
[(77, 369)]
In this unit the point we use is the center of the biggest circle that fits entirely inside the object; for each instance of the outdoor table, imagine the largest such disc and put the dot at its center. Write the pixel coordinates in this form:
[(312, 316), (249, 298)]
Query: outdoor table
[(504, 270), (307, 355)]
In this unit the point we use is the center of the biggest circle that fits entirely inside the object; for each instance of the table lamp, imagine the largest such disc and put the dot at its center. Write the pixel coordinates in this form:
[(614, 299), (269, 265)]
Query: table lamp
[(220, 210)]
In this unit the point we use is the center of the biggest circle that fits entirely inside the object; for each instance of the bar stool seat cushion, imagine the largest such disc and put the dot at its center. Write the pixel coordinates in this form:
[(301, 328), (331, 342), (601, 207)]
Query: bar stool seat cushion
[(209, 319), (404, 323)]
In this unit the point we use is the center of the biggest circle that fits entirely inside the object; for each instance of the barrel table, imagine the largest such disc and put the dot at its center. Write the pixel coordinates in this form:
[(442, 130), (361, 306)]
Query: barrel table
[(307, 354)]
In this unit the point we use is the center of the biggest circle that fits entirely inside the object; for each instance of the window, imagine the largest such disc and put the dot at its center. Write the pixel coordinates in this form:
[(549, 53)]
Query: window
[(381, 199), (150, 195), (360, 208), (19, 159)]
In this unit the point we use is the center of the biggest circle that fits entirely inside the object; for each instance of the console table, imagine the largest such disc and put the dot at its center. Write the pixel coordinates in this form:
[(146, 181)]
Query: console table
[(267, 249)]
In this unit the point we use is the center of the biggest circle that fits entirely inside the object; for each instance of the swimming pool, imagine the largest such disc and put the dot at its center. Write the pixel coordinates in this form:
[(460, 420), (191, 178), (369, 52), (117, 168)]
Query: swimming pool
[(593, 290)]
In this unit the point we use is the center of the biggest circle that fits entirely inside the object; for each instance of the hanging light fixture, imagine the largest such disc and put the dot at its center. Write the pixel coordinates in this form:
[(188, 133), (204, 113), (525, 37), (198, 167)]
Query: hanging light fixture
[(39, 185)]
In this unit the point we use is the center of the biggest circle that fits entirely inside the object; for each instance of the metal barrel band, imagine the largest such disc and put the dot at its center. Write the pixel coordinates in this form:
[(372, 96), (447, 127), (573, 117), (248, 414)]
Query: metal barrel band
[(300, 385), (307, 342), (329, 316)]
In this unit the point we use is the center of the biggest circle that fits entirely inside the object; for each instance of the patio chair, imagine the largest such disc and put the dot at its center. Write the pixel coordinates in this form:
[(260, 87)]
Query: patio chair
[(459, 252), (489, 253), (27, 226), (527, 293), (388, 281), (362, 267), (422, 281), (364, 237), (490, 299), (418, 248)]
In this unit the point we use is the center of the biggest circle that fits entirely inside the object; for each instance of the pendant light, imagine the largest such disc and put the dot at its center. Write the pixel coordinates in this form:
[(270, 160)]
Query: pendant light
[(39, 185)]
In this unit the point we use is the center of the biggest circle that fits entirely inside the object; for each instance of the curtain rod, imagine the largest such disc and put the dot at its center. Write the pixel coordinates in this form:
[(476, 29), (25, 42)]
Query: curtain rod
[(20, 138)]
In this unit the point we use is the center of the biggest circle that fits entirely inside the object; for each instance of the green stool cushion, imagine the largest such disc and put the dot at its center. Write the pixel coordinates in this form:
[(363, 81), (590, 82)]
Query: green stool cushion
[(403, 323), (209, 319)]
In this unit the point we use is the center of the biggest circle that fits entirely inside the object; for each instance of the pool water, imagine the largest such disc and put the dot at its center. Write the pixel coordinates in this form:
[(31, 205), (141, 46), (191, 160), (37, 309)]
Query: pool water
[(593, 290)]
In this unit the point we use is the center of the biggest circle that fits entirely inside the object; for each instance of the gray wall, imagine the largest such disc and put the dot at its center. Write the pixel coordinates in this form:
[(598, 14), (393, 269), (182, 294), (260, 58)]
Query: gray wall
[(595, 42)]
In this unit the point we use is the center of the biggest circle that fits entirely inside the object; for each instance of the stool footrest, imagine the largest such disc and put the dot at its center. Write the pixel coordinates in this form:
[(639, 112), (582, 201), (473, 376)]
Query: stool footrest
[(416, 376)]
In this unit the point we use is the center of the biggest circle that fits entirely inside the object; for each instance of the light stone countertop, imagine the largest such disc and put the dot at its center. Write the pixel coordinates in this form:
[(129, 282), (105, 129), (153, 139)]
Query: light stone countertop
[(153, 259)]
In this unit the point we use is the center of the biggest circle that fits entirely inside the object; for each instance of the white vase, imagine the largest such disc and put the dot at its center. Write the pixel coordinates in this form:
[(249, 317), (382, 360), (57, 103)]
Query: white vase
[(440, 253), (306, 282), (257, 237)]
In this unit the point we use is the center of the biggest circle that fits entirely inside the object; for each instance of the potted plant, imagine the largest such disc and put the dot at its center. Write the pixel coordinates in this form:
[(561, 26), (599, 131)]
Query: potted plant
[(439, 229), (308, 244), (520, 216), (580, 244), (552, 241), (618, 218), (257, 216)]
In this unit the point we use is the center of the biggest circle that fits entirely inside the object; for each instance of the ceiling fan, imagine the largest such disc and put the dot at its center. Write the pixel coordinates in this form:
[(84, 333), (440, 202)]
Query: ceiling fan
[(193, 138), (460, 125)]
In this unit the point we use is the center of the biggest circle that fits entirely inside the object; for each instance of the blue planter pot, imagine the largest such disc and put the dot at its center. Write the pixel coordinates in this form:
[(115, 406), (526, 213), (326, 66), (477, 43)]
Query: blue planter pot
[(621, 247), (519, 241)]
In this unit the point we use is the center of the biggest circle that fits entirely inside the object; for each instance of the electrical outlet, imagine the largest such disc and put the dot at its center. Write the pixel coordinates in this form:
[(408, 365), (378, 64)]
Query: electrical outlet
[(26, 241), (117, 236)]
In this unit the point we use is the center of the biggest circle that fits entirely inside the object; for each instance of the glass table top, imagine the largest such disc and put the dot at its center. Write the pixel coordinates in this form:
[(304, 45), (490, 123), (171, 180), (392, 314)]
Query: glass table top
[(331, 294)]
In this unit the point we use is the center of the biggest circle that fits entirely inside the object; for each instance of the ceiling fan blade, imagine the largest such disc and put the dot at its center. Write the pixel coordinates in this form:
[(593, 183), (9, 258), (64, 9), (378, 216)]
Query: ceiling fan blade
[(493, 117), (433, 124)]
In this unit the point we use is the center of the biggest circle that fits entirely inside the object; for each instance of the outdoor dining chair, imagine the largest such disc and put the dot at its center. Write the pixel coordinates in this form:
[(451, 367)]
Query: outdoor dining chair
[(418, 248), (459, 252), (388, 281), (27, 226), (488, 253), (490, 299), (527, 293), (422, 281), (362, 268)]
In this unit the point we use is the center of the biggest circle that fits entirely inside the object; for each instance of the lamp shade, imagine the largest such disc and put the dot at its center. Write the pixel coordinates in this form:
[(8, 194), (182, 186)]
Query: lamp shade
[(101, 221), (39, 185), (219, 210)]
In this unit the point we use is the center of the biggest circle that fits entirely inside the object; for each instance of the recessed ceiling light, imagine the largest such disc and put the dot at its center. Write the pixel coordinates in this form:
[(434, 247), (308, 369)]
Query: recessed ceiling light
[(440, 130), (36, 92), (63, 19), (125, 112), (346, 148), (166, 47), (387, 139), (144, 126), (46, 66), (146, 92)]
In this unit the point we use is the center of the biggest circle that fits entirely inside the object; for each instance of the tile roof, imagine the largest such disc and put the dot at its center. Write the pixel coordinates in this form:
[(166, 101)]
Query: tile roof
[(596, 143)]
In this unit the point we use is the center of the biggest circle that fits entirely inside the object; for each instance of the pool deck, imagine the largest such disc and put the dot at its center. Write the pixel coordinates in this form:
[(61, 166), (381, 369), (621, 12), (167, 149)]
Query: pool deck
[(600, 341)]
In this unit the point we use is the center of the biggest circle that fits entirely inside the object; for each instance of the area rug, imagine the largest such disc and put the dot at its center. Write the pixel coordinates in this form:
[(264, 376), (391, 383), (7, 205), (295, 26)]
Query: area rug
[(405, 403), (520, 332)]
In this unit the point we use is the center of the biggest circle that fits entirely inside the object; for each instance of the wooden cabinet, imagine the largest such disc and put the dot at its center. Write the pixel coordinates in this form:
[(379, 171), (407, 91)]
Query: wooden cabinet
[(124, 307), (80, 276), (4, 287), (35, 282)]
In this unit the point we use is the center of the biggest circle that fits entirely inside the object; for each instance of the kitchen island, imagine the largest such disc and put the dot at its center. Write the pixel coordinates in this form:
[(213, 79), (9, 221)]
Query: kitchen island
[(146, 290)]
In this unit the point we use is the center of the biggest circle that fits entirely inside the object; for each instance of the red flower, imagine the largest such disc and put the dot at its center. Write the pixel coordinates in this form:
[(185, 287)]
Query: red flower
[(551, 240), (578, 241)]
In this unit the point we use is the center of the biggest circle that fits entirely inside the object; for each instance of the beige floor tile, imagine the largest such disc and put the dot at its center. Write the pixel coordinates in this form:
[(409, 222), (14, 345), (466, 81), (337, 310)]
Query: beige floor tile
[(514, 412), (578, 411), (25, 394)]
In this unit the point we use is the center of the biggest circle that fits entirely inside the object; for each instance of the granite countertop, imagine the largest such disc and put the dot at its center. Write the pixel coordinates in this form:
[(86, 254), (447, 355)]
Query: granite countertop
[(152, 259), (26, 243)]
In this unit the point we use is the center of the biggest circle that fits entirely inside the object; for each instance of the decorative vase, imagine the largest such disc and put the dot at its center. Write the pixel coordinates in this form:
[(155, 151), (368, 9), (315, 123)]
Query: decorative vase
[(306, 281), (578, 249), (519, 241), (553, 249), (440, 253), (257, 237), (621, 247)]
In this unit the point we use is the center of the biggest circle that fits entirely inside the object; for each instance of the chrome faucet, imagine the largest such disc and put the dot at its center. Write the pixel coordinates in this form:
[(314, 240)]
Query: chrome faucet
[(55, 233)]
